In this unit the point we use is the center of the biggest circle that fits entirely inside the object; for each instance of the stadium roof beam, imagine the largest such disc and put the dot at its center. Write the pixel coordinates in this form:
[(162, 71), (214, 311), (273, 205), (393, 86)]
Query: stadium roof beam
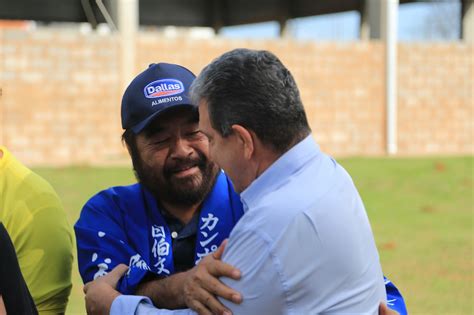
[(210, 13), (214, 13)]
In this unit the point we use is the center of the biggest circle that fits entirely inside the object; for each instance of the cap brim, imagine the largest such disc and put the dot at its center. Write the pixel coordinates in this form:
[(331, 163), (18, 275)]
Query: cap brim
[(144, 123)]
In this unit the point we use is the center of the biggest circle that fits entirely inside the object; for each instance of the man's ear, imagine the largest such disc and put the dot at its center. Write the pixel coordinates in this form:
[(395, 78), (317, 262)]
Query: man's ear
[(246, 139)]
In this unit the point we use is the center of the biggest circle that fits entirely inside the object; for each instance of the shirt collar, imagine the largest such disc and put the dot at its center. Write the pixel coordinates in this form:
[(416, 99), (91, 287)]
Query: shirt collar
[(184, 230), (275, 175)]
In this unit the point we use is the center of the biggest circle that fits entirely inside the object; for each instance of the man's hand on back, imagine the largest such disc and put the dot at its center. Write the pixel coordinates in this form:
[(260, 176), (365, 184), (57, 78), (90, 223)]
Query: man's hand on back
[(202, 285)]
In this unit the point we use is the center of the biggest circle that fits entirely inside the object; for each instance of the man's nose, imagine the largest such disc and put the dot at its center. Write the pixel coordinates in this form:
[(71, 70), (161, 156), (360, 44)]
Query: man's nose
[(181, 148)]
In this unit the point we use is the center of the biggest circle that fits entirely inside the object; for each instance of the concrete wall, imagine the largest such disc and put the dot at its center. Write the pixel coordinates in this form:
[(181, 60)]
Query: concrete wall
[(60, 101)]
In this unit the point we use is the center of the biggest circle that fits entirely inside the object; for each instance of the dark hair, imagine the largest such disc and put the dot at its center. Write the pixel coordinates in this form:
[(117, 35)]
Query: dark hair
[(253, 89)]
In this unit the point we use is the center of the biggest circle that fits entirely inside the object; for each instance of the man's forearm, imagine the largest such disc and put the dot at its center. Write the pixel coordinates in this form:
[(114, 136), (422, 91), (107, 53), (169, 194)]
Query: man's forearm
[(165, 292)]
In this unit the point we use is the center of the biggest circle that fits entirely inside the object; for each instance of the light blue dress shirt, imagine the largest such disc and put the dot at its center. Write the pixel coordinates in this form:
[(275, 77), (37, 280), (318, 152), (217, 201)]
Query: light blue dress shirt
[(304, 244)]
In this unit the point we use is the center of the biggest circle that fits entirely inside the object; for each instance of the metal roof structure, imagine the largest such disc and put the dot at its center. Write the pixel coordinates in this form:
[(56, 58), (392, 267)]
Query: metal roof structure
[(210, 13)]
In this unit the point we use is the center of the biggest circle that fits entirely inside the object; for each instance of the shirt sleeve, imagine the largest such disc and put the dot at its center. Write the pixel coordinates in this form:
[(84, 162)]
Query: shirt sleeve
[(102, 244), (140, 305), (260, 285)]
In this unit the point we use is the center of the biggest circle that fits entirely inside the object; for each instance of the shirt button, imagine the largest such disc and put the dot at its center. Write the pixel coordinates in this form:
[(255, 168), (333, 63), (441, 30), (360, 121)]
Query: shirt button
[(174, 234)]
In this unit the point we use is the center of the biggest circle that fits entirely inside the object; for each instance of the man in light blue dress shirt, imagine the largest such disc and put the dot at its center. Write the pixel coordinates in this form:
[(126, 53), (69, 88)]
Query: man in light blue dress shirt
[(304, 244)]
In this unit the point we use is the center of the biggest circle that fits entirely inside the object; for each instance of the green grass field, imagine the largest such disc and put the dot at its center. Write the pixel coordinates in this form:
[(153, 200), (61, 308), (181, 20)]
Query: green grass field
[(421, 210)]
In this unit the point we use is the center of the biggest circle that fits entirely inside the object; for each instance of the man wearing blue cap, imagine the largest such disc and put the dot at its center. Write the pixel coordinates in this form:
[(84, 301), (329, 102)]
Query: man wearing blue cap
[(181, 210)]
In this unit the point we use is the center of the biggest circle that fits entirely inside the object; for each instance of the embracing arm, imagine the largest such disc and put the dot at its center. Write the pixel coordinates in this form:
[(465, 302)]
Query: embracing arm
[(196, 288), (102, 298), (164, 292)]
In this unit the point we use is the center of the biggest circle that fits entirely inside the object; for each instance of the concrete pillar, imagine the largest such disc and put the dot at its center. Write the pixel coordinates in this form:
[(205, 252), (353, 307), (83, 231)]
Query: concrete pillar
[(126, 17), (389, 19), (467, 20), (370, 19)]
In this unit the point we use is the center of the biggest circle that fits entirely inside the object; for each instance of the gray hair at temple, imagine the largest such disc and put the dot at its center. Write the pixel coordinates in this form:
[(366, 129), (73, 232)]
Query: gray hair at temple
[(253, 89)]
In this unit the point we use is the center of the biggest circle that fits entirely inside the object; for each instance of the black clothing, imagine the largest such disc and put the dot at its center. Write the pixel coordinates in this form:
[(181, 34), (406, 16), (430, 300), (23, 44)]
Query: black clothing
[(13, 289)]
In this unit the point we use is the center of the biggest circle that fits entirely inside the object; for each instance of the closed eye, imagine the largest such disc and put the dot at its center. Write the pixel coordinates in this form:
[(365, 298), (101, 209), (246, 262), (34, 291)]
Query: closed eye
[(160, 141), (197, 134)]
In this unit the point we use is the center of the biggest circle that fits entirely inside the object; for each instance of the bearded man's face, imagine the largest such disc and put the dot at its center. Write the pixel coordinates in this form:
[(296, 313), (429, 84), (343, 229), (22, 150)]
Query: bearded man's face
[(172, 158)]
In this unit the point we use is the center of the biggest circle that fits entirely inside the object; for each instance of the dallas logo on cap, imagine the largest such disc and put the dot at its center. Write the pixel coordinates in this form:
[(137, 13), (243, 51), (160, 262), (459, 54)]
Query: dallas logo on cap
[(165, 87)]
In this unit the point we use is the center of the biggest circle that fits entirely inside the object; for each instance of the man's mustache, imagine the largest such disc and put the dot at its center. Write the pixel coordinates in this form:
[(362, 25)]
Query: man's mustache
[(183, 164)]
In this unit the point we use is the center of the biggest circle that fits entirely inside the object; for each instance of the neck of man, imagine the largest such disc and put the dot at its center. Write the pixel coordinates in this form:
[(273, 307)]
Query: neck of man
[(183, 213), (262, 158), (267, 156)]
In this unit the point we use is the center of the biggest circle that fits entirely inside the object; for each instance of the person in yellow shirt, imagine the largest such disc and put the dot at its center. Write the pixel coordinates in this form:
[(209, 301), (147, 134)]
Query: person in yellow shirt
[(35, 219)]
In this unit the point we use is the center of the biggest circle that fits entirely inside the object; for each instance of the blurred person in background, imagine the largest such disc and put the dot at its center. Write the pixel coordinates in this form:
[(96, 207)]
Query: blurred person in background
[(36, 222)]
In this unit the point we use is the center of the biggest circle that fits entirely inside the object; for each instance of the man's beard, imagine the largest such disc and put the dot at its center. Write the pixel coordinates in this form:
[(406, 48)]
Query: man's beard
[(186, 191)]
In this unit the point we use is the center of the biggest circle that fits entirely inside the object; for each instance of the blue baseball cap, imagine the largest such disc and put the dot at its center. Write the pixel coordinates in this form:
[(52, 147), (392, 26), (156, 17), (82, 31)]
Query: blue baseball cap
[(160, 87)]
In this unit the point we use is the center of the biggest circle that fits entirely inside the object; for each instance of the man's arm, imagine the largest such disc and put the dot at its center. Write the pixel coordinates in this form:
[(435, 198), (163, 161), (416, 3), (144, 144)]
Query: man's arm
[(164, 292), (102, 298), (196, 288)]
